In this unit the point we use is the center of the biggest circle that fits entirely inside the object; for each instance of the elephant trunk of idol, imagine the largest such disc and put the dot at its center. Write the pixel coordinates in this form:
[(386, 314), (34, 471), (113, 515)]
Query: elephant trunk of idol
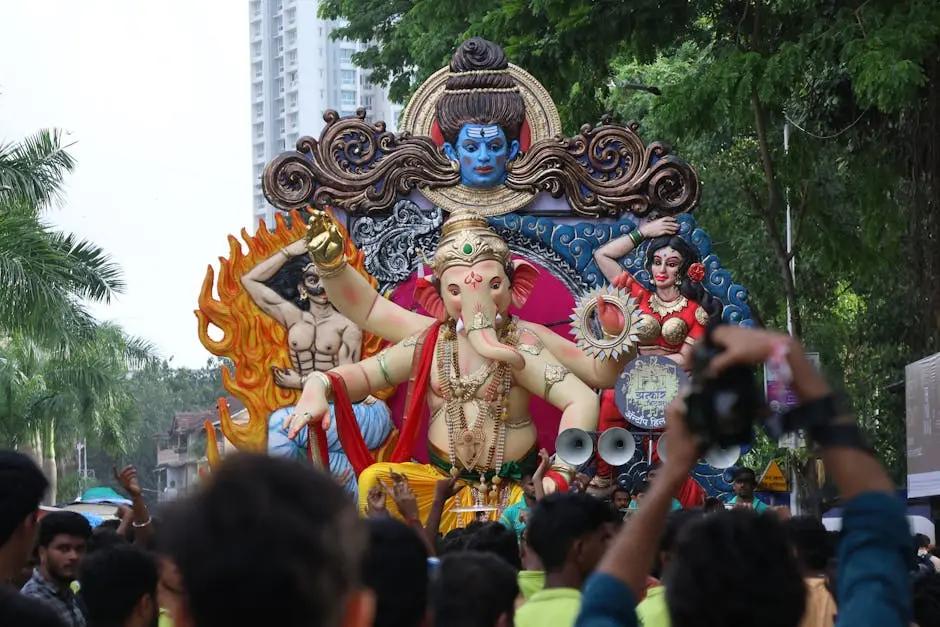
[(479, 319)]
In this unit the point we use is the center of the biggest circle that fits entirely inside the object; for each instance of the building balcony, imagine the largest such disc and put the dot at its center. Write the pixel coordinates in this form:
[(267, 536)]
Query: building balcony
[(174, 457)]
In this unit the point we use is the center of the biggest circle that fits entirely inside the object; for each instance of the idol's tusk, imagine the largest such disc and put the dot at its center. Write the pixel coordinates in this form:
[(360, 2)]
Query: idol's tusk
[(459, 324)]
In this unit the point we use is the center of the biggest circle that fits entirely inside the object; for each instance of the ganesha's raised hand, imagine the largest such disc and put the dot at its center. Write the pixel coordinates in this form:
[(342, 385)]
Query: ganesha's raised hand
[(325, 243), (312, 406)]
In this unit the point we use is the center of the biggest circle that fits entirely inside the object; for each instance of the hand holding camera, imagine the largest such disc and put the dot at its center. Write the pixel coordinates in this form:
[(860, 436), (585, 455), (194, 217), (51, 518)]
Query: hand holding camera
[(725, 402)]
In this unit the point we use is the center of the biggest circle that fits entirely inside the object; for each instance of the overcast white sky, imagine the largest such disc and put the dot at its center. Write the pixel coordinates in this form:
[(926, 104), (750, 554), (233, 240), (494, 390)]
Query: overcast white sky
[(155, 95)]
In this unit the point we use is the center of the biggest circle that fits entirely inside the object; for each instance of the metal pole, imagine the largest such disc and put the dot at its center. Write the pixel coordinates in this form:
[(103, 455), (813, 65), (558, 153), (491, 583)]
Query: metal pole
[(794, 476)]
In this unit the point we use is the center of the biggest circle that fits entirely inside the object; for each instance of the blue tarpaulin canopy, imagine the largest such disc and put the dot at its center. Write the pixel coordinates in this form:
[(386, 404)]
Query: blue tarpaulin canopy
[(103, 495)]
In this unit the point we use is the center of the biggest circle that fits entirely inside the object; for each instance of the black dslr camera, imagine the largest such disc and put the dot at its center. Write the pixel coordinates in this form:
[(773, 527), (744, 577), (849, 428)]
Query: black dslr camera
[(722, 409)]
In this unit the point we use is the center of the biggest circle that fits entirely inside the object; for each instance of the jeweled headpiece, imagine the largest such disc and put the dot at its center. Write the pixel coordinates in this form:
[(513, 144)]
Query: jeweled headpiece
[(466, 239)]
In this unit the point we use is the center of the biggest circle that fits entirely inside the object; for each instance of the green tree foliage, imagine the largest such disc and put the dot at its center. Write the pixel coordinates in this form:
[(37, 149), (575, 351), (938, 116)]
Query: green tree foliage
[(51, 398), (859, 82), (46, 277), (159, 391)]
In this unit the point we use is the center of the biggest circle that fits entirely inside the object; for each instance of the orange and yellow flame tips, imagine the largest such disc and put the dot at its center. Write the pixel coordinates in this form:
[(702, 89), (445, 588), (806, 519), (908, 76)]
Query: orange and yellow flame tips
[(252, 340)]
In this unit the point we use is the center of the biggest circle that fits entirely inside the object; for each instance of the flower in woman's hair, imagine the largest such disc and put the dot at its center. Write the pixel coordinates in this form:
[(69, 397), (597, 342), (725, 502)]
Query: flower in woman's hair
[(696, 272)]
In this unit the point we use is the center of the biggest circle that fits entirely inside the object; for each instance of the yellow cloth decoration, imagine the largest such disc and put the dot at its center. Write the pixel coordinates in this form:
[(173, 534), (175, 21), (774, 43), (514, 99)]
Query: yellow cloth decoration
[(423, 478)]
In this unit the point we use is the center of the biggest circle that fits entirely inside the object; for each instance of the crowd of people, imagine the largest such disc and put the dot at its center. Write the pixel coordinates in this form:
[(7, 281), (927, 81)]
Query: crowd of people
[(267, 541)]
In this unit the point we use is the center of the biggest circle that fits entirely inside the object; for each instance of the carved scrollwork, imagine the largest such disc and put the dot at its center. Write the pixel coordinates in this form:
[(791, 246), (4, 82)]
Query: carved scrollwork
[(606, 170), (392, 244), (357, 165)]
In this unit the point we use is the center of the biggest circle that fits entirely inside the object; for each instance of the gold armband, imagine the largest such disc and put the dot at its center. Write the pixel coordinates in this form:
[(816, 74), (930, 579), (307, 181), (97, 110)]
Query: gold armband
[(383, 366)]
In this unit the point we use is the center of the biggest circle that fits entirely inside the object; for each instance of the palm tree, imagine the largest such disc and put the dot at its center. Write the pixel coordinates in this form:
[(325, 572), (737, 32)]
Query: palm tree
[(46, 277), (53, 396)]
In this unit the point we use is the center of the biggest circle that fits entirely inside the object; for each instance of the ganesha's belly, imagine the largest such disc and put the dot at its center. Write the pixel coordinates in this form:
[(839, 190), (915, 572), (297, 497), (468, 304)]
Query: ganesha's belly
[(520, 439)]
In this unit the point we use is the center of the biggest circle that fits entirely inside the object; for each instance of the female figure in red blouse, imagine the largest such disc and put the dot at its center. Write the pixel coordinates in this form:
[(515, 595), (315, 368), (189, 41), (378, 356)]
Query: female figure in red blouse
[(674, 314)]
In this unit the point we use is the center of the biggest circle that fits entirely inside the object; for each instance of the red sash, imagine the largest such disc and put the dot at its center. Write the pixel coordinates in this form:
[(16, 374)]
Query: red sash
[(348, 429)]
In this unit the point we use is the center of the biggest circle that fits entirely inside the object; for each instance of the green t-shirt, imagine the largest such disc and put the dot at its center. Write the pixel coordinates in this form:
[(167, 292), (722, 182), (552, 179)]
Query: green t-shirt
[(531, 582), (652, 611), (165, 620), (555, 607)]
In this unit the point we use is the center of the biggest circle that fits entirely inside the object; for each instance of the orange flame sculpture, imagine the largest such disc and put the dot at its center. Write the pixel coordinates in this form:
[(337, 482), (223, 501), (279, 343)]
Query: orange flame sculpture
[(250, 338)]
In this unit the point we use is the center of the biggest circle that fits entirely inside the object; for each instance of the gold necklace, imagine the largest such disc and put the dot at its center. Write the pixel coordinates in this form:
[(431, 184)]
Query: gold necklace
[(467, 443), (664, 308)]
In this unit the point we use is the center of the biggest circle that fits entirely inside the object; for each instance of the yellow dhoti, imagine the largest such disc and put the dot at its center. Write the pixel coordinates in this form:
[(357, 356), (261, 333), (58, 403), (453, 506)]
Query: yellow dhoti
[(423, 478)]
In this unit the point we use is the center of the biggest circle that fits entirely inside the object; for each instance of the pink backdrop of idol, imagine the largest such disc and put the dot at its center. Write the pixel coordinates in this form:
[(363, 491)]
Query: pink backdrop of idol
[(551, 302)]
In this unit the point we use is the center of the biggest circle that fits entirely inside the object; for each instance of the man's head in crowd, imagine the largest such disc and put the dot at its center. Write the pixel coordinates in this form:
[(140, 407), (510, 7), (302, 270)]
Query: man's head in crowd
[(492, 537), (744, 482), (719, 571), (63, 539), (20, 610), (810, 543), (119, 587), (268, 541), (473, 589), (528, 487), (675, 522), (926, 599), (455, 540), (22, 486), (639, 491), (396, 570), (569, 533), (620, 498)]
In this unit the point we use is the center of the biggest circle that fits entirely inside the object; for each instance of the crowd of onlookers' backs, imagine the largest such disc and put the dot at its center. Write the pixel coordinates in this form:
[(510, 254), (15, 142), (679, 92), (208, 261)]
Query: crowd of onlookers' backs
[(268, 541)]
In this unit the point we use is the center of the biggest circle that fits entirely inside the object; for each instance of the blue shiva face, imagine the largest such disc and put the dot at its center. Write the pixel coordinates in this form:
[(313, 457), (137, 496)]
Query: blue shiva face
[(483, 152)]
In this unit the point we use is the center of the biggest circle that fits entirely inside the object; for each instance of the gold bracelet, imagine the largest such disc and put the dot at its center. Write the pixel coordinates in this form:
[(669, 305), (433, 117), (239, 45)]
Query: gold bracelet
[(285, 253), (332, 270), (325, 380)]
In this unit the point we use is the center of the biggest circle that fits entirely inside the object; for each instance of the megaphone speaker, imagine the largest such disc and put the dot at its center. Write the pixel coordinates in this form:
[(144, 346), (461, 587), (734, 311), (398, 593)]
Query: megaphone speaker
[(662, 448), (574, 446), (616, 446), (720, 457)]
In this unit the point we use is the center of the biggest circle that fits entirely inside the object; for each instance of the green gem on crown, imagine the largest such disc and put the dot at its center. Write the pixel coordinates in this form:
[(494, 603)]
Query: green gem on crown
[(467, 249)]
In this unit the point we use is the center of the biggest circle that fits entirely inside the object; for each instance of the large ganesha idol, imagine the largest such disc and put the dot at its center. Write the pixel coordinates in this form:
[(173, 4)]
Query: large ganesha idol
[(471, 361), (458, 249)]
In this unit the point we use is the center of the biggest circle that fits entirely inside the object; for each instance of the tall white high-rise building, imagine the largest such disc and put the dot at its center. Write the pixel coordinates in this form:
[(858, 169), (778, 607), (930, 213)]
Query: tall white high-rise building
[(297, 73)]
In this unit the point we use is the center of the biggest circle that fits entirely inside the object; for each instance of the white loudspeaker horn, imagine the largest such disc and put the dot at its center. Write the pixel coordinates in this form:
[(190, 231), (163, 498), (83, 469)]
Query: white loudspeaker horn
[(616, 446), (662, 448), (574, 446), (719, 457)]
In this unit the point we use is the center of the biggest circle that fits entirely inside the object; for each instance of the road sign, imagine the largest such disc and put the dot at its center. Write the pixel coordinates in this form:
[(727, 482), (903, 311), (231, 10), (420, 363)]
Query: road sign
[(773, 479)]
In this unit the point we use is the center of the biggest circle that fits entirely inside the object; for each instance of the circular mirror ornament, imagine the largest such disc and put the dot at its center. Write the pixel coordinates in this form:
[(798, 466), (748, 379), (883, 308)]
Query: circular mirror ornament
[(586, 327)]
